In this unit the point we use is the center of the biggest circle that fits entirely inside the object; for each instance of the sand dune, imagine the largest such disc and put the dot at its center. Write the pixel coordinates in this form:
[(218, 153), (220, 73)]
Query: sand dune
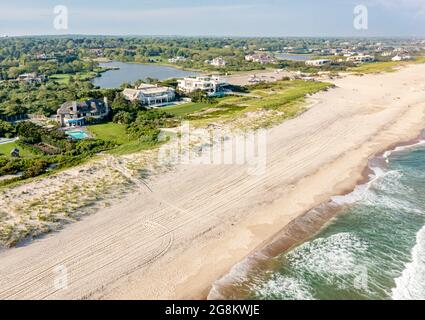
[(175, 238)]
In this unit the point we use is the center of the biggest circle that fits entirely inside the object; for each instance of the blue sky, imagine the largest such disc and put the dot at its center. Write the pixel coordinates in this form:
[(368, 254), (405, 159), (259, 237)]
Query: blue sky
[(215, 18)]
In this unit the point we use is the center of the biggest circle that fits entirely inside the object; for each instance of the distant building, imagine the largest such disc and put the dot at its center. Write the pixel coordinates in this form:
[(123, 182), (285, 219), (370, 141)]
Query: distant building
[(218, 62), (260, 58), (401, 58), (31, 78), (211, 85), (150, 95), (317, 63), (177, 59), (72, 114), (15, 153), (361, 59), (97, 52)]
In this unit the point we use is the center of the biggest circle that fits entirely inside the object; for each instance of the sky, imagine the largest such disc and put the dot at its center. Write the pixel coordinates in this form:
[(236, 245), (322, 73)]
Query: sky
[(213, 18)]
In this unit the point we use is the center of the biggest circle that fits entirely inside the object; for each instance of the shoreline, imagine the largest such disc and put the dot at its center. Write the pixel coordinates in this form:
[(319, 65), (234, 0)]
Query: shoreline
[(195, 223), (300, 230)]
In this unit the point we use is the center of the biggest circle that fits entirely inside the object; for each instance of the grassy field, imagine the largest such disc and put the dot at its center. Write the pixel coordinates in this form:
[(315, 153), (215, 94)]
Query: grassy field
[(388, 66), (83, 76), (5, 149), (284, 97), (185, 109), (110, 132), (116, 133)]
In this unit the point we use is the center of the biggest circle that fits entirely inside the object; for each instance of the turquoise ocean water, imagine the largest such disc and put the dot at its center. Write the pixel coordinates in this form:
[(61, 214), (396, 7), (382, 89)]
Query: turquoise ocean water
[(373, 249)]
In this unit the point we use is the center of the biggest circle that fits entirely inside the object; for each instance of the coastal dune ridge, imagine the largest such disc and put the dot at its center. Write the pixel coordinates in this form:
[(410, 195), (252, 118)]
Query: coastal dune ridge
[(174, 239)]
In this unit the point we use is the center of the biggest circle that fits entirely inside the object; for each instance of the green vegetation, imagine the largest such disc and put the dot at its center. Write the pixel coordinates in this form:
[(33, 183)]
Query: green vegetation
[(113, 132), (186, 108), (43, 149), (117, 134), (384, 66), (6, 148), (283, 98)]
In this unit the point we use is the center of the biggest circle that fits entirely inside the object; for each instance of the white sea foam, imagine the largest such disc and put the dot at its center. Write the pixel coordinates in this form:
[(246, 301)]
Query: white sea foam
[(411, 284), (387, 154), (286, 288), (361, 191), (334, 255)]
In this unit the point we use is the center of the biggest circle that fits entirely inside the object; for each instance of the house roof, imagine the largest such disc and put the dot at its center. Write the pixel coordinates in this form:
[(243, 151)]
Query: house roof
[(92, 105)]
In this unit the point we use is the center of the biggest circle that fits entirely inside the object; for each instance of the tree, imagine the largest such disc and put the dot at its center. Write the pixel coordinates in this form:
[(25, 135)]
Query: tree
[(123, 117), (6, 129)]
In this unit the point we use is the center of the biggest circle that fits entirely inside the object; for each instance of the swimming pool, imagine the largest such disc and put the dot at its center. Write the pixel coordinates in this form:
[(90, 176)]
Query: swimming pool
[(77, 135)]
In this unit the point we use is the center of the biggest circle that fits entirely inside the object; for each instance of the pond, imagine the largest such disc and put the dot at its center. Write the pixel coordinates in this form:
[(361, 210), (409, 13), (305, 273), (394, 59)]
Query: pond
[(131, 72)]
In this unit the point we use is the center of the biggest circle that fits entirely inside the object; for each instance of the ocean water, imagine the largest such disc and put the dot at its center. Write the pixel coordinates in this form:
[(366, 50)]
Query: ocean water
[(373, 249)]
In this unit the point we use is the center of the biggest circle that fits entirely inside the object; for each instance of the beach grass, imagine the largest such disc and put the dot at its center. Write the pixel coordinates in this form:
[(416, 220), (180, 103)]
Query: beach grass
[(386, 66), (283, 97)]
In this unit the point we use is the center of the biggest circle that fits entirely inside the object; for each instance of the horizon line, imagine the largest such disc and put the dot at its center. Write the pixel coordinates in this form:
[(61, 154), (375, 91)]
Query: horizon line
[(213, 36)]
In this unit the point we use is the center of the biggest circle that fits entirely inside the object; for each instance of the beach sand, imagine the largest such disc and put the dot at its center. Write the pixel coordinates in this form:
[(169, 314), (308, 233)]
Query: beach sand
[(175, 238)]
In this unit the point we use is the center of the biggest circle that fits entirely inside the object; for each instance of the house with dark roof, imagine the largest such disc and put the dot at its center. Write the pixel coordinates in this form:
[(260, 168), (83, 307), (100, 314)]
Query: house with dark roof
[(73, 114)]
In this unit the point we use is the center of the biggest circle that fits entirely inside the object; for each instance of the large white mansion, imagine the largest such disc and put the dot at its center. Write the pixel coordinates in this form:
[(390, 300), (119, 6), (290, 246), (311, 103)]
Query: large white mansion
[(210, 85), (150, 95)]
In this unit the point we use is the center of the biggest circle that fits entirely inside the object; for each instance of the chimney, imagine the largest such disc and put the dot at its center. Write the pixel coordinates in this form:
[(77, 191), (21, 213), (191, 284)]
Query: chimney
[(105, 101)]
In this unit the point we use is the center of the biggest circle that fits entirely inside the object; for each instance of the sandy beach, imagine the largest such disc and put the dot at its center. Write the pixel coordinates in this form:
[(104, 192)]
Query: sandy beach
[(174, 236)]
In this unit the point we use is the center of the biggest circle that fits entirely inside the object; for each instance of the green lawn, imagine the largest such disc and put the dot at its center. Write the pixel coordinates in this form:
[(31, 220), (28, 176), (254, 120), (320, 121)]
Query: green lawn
[(61, 78), (186, 108), (116, 133), (110, 132), (5, 149), (84, 76)]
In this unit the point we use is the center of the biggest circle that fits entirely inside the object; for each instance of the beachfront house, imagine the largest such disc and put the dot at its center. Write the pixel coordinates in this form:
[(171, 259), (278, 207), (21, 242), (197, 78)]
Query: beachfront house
[(73, 114), (361, 59), (150, 95), (218, 62), (211, 85), (318, 63), (260, 58)]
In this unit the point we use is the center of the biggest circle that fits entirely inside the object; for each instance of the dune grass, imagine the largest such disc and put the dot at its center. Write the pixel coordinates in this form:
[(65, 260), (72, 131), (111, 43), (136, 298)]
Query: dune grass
[(285, 97), (387, 66)]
